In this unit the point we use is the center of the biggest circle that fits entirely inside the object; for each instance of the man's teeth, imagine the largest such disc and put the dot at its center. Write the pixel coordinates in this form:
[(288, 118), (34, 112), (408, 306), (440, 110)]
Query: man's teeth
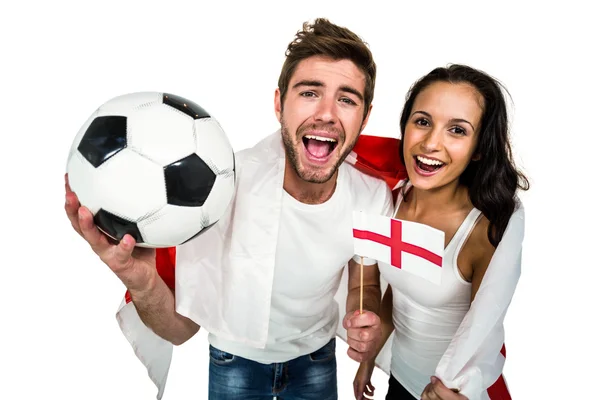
[(429, 161), (320, 138)]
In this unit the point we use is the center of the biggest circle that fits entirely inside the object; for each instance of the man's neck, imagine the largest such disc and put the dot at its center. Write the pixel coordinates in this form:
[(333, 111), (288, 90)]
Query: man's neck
[(308, 192)]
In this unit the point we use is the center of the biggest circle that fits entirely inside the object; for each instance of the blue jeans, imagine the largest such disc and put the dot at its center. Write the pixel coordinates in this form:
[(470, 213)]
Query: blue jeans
[(309, 377)]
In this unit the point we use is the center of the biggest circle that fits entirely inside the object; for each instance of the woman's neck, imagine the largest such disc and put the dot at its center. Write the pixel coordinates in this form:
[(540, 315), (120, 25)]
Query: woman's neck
[(445, 199)]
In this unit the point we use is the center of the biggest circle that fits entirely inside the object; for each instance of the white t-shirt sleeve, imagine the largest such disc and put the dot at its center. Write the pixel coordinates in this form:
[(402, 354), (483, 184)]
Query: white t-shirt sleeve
[(388, 204), (386, 208)]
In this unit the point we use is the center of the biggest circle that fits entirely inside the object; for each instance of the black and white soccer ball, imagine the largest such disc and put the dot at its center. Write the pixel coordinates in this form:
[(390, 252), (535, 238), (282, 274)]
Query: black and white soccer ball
[(154, 165)]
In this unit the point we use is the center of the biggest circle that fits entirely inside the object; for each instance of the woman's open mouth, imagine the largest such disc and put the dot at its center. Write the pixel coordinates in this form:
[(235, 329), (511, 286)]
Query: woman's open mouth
[(427, 166)]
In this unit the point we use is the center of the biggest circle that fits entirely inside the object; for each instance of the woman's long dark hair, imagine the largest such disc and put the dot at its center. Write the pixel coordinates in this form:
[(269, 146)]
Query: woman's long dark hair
[(493, 179)]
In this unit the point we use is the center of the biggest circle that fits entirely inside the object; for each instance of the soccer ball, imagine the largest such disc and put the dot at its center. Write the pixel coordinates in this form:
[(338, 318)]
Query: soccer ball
[(153, 165)]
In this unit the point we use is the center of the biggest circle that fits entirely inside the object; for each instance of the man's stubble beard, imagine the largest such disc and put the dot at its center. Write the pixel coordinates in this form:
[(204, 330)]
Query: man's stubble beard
[(294, 158)]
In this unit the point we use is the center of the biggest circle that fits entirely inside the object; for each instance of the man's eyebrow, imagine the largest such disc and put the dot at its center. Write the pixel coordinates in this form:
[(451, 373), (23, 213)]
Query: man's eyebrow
[(355, 92), (345, 88), (308, 83)]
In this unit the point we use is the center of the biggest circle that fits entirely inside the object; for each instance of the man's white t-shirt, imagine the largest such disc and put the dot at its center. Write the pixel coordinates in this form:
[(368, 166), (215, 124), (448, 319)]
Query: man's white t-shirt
[(314, 245)]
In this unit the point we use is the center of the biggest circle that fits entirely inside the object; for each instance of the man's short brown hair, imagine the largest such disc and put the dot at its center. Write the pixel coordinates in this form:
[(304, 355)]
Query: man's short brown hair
[(323, 38)]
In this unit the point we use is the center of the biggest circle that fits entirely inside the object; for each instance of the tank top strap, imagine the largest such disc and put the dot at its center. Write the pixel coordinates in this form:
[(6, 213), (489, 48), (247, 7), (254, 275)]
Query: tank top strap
[(463, 231), (406, 186)]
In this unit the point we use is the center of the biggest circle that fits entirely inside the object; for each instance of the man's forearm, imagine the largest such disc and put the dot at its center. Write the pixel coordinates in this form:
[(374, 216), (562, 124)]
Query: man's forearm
[(156, 308), (371, 299)]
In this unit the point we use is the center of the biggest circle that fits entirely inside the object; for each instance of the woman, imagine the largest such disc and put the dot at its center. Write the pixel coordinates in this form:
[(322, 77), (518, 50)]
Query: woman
[(462, 181)]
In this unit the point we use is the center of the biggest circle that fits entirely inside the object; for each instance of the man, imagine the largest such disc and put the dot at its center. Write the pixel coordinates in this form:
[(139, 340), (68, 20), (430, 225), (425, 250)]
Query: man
[(262, 281)]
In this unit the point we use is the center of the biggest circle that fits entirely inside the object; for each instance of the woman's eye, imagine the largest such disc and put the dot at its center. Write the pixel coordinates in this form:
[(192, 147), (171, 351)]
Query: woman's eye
[(459, 131)]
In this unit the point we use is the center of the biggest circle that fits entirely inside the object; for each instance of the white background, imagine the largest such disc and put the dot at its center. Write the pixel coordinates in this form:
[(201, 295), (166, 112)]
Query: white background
[(60, 60)]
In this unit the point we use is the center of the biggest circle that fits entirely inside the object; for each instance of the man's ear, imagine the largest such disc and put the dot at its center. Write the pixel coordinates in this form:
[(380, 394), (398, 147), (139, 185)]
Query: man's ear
[(364, 124), (277, 102)]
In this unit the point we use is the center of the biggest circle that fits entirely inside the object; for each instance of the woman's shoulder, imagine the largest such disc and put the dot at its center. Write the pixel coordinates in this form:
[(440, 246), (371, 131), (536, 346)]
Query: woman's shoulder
[(478, 245)]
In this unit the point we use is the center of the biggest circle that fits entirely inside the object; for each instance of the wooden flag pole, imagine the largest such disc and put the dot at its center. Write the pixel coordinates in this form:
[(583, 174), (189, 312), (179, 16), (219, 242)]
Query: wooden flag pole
[(361, 284)]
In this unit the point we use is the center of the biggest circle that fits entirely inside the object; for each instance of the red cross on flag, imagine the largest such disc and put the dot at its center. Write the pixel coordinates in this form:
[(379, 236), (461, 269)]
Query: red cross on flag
[(413, 247)]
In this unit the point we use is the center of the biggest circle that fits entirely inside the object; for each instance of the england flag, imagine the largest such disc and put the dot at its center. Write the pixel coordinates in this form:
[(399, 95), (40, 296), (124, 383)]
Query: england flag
[(413, 247)]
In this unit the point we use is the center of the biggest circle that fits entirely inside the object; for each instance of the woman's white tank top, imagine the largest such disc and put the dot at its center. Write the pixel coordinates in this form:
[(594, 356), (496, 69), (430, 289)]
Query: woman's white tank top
[(426, 316)]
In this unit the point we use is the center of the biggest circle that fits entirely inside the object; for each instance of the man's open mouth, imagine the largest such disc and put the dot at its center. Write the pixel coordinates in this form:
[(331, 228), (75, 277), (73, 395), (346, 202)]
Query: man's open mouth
[(319, 147)]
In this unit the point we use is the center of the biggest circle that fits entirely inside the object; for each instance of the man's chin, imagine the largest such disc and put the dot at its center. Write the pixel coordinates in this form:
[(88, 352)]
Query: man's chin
[(321, 174), (311, 169)]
